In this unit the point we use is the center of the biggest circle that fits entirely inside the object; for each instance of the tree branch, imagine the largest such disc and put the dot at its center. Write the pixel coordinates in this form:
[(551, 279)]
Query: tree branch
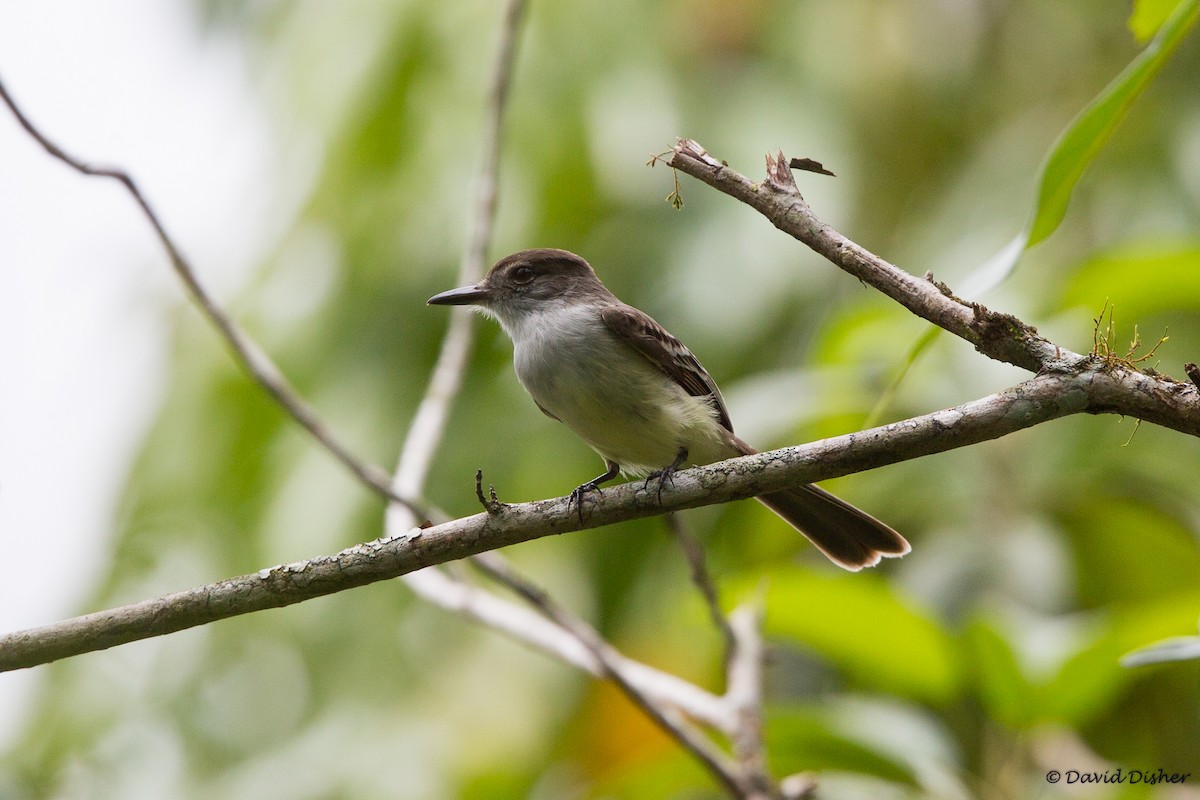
[(745, 695), (1042, 398), (252, 357), (429, 423), (534, 629), (1112, 384), (693, 552), (612, 666), (777, 198)]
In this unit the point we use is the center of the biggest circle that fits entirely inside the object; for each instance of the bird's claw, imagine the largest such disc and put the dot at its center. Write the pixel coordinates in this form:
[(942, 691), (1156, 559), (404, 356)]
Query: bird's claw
[(578, 493), (663, 476), (666, 474)]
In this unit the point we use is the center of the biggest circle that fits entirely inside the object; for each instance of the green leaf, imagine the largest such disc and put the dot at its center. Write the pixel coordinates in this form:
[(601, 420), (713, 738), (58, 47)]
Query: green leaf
[(1000, 683), (1074, 150), (1088, 684), (1138, 279), (801, 740), (1168, 617), (1092, 681), (1079, 144), (1148, 16), (857, 622), (1177, 648), (1129, 550)]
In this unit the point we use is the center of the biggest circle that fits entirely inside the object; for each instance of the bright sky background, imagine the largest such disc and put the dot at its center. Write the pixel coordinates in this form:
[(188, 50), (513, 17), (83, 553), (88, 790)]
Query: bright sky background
[(86, 293)]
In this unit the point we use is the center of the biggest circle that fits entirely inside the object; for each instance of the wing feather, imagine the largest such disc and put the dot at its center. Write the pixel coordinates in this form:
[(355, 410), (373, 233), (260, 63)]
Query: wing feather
[(667, 353)]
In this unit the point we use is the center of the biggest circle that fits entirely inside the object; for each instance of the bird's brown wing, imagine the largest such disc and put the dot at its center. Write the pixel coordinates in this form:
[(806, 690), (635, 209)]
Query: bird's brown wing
[(667, 353)]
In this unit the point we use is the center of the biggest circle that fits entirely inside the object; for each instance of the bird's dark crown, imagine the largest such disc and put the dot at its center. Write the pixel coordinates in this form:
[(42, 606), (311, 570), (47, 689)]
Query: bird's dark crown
[(542, 261), (543, 273)]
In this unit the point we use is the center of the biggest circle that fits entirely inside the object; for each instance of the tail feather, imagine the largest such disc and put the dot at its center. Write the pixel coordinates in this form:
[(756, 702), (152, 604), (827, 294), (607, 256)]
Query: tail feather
[(850, 537)]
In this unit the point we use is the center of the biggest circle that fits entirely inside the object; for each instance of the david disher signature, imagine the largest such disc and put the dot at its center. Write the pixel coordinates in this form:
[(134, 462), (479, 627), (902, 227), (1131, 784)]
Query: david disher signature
[(1130, 776)]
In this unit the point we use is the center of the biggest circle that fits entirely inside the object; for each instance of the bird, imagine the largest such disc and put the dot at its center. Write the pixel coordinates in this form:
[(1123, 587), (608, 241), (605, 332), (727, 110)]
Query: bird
[(636, 395)]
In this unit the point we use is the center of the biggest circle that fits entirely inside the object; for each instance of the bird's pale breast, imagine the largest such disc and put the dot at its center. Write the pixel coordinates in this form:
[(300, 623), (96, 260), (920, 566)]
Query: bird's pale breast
[(610, 395)]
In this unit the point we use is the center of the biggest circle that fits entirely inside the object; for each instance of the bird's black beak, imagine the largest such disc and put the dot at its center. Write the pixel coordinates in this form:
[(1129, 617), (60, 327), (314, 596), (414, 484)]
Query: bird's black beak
[(465, 296)]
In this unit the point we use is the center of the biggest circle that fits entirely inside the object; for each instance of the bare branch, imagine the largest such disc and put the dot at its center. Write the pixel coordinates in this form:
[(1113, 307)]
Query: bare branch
[(1042, 398), (611, 664), (1112, 385), (745, 693), (428, 424), (693, 551), (997, 335), (252, 358), (534, 629)]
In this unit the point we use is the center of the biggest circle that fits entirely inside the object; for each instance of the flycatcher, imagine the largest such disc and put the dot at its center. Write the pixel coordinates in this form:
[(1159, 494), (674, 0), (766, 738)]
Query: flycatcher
[(635, 394)]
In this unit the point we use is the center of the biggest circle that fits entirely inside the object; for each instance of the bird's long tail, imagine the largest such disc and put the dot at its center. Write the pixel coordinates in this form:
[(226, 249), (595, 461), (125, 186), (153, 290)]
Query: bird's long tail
[(849, 536)]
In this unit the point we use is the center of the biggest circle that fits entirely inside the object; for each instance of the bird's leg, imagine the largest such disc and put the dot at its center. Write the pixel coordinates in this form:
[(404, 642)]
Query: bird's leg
[(667, 473), (593, 485)]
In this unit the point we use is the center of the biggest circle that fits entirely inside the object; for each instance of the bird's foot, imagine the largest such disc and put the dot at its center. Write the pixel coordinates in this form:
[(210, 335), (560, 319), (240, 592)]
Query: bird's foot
[(666, 474), (581, 491), (575, 498)]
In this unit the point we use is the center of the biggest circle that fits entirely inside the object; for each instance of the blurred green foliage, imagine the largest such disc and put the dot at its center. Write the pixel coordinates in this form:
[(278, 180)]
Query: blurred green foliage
[(1087, 134), (969, 669)]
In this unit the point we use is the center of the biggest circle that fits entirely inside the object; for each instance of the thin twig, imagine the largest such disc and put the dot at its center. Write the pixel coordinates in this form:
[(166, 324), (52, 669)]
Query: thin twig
[(252, 357), (534, 630), (998, 336), (717, 763), (693, 551), (745, 693), (429, 423)]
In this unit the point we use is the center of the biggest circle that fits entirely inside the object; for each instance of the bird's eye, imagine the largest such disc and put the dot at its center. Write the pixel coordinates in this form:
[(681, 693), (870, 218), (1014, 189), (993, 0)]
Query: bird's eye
[(522, 274)]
